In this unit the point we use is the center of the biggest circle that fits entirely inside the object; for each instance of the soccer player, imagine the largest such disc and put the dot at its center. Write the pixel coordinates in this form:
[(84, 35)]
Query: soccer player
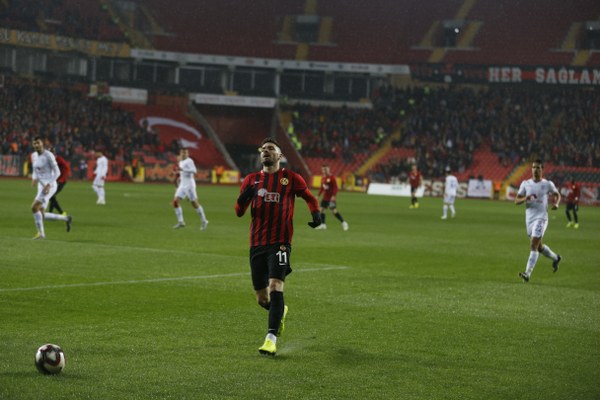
[(450, 188), (535, 193), (414, 179), (187, 189), (329, 189), (99, 177), (45, 172), (65, 171), (573, 204), (270, 194)]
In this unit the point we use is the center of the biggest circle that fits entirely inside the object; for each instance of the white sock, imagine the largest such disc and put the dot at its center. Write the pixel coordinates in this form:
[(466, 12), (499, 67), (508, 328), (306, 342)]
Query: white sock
[(547, 252), (39, 222), (272, 337), (445, 209), (200, 212), (55, 217), (101, 193), (533, 257), (179, 214), (452, 210)]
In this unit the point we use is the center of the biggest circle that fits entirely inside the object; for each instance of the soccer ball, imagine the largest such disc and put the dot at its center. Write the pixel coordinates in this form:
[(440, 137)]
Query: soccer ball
[(50, 359)]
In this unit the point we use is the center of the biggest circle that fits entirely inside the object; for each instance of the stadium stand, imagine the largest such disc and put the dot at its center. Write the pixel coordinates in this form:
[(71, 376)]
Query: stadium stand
[(240, 129), (485, 130), (176, 129), (409, 32), (86, 19)]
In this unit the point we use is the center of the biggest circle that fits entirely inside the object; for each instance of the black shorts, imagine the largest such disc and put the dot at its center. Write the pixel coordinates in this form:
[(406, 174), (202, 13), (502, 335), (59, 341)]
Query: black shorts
[(325, 204), (269, 262), (413, 189), (572, 207)]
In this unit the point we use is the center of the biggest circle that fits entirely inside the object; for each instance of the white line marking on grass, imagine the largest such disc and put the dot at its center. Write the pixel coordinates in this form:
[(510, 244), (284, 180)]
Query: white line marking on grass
[(154, 280)]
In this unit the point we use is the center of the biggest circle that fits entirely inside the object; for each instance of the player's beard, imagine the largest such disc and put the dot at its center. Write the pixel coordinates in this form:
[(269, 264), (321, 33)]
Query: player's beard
[(268, 163)]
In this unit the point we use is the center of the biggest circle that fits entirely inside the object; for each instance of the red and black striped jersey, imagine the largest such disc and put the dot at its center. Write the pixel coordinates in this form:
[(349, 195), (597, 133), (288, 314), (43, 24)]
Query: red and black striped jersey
[(329, 187), (272, 205), (414, 177)]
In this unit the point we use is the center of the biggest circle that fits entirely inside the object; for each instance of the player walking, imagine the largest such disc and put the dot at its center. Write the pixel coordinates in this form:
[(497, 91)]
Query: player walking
[(100, 176), (187, 189), (270, 194), (414, 179), (450, 189), (328, 191), (534, 193)]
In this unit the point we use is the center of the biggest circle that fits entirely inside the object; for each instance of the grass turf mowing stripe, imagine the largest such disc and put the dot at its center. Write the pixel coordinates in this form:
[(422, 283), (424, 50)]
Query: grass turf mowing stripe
[(154, 280)]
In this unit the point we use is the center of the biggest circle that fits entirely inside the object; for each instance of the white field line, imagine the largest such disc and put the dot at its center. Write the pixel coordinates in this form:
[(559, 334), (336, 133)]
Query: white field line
[(155, 280)]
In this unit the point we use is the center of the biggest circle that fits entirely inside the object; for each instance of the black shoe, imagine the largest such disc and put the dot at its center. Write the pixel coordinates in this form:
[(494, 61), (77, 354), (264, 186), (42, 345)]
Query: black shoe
[(555, 263), (524, 277), (69, 220)]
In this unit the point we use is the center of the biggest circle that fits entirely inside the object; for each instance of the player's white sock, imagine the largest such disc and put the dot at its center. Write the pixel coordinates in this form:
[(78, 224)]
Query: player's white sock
[(39, 222), (200, 212), (445, 211), (55, 217), (533, 257), (547, 252), (179, 214), (452, 210), (101, 194), (272, 337)]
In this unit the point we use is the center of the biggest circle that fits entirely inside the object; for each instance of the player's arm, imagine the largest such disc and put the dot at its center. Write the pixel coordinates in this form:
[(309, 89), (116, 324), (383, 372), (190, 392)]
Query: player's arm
[(334, 188), (557, 197), (521, 195), (313, 206), (520, 199), (310, 199), (245, 197), (33, 174), (55, 168)]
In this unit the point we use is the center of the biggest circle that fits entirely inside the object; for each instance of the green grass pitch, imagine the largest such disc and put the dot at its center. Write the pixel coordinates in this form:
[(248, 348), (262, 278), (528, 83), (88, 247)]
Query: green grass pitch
[(402, 306)]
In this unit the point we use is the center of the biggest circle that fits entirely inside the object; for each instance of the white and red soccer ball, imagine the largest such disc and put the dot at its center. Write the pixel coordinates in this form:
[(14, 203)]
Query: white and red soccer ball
[(50, 359)]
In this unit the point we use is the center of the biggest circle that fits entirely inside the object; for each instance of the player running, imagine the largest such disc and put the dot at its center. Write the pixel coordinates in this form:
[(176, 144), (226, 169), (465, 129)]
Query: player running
[(534, 193), (187, 189), (328, 191), (45, 172), (270, 194)]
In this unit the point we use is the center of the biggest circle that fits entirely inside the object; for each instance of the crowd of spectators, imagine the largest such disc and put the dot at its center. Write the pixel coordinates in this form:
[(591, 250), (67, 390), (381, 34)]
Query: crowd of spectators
[(85, 19), (341, 132), (445, 125), (73, 123)]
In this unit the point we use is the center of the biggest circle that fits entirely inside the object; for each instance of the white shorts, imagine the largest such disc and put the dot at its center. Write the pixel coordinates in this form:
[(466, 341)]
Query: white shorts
[(537, 228), (449, 198), (45, 198), (188, 192), (98, 181)]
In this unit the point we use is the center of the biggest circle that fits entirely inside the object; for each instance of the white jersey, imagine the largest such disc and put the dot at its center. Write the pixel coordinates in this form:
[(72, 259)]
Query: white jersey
[(101, 167), (536, 205), (187, 170), (45, 168), (451, 185)]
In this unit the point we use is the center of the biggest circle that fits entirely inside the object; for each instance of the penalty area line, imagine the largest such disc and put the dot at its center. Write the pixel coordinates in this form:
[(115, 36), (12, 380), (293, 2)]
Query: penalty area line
[(153, 280)]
